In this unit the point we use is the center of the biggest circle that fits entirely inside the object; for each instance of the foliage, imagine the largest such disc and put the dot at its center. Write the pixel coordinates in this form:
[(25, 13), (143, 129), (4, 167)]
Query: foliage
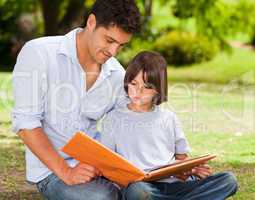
[(132, 49), (183, 48)]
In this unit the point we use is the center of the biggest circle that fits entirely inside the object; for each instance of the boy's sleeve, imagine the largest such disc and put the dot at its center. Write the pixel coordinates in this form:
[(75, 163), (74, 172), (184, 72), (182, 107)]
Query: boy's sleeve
[(107, 132), (29, 79), (181, 143)]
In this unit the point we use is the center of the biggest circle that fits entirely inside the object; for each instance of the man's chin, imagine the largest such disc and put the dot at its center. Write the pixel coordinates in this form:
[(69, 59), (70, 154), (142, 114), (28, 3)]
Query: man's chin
[(102, 61)]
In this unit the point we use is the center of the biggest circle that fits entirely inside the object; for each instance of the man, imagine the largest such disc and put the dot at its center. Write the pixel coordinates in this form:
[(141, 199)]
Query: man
[(63, 84)]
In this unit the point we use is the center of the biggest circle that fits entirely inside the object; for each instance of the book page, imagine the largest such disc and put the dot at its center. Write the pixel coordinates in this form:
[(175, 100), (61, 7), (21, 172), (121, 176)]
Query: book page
[(176, 168)]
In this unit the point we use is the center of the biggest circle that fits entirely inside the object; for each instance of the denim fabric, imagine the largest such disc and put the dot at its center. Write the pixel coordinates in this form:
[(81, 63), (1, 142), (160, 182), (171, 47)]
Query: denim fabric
[(215, 187)]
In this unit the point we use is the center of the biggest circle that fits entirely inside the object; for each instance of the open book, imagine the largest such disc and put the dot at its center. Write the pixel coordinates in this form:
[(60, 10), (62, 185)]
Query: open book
[(116, 168)]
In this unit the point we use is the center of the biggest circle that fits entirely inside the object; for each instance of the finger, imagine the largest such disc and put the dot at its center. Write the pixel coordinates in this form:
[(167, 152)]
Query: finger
[(204, 170), (84, 179), (84, 172), (78, 179), (88, 167), (202, 174)]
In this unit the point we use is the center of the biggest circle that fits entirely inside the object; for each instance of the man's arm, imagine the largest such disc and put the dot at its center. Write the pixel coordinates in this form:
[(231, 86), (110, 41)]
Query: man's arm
[(29, 94), (38, 142)]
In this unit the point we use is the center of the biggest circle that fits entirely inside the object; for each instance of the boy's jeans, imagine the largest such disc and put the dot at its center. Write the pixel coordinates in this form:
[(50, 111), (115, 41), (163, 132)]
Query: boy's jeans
[(52, 188), (215, 187)]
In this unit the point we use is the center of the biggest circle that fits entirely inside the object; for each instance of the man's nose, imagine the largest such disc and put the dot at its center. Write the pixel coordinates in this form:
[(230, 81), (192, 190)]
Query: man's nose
[(113, 49)]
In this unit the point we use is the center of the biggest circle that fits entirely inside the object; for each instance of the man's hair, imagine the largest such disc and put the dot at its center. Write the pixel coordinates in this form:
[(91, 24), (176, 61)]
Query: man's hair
[(154, 69), (122, 13)]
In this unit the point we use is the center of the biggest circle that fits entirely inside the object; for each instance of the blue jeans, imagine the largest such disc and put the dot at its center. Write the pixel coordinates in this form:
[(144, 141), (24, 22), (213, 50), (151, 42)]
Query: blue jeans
[(215, 187), (52, 188)]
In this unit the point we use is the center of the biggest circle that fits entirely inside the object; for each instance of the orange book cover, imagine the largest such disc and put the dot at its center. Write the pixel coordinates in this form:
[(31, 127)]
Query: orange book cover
[(115, 167)]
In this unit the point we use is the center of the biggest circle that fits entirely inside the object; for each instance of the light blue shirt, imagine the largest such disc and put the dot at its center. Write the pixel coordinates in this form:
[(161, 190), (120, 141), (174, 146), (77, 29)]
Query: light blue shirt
[(148, 140), (50, 92)]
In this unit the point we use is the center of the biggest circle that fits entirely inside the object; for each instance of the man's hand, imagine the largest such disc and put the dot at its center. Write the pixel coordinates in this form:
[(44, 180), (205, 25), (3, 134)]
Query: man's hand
[(81, 173), (38, 142)]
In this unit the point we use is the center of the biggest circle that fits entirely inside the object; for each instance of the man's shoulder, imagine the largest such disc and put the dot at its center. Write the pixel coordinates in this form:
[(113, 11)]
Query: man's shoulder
[(45, 41)]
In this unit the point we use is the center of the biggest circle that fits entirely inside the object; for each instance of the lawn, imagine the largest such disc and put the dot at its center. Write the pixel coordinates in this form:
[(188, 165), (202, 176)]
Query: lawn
[(217, 119), (239, 66)]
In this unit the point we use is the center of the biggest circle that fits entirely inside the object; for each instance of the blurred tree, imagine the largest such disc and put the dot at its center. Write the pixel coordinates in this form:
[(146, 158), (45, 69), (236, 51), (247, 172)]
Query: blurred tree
[(245, 10), (214, 18), (16, 26), (60, 16)]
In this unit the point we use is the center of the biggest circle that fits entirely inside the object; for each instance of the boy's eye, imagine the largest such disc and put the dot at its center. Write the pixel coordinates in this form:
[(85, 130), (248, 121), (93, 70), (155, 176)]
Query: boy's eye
[(148, 86)]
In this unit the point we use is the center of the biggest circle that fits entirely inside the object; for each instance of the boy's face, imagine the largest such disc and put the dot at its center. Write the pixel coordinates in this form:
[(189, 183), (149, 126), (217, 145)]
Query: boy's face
[(139, 92), (105, 42)]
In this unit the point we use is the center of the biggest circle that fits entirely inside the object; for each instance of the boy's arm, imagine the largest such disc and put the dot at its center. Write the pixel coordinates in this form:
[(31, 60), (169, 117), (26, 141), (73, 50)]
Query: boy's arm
[(182, 176), (181, 156)]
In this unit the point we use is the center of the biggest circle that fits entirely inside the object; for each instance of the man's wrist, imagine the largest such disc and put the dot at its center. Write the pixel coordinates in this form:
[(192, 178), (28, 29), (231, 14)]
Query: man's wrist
[(63, 169)]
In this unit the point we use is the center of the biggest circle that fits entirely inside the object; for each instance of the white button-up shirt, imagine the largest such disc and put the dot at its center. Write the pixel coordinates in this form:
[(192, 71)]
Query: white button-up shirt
[(50, 92)]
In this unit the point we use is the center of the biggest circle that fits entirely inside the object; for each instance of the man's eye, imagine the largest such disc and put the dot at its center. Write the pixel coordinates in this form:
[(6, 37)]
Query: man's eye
[(109, 41)]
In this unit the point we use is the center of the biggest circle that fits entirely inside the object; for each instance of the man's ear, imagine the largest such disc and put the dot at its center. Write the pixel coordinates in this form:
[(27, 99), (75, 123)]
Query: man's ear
[(91, 22)]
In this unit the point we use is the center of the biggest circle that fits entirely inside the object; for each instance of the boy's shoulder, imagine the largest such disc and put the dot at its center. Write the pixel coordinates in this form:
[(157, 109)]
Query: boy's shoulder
[(167, 113), (115, 113)]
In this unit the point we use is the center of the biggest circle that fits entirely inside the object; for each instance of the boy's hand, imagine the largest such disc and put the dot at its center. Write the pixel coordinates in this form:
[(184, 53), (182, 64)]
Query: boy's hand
[(202, 171), (182, 177)]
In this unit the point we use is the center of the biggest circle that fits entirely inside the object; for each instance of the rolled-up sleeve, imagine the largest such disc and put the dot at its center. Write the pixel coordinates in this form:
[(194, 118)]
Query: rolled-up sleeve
[(29, 89), (181, 143)]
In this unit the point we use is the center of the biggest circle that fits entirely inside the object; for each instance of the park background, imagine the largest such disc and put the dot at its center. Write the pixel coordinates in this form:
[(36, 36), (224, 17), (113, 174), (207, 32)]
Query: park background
[(210, 49)]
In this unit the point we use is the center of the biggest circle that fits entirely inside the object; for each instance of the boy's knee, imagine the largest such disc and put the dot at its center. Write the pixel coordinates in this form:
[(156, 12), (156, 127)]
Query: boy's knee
[(138, 191), (113, 194), (230, 181)]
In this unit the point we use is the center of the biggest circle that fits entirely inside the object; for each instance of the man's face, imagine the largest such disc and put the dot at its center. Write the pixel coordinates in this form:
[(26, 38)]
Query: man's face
[(104, 42)]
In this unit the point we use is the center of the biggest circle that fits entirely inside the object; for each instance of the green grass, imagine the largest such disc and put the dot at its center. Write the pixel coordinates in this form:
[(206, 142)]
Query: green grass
[(6, 97), (238, 66), (217, 119), (234, 153), (12, 167)]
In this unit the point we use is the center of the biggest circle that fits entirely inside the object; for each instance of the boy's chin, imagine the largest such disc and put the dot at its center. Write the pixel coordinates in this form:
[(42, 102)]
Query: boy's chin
[(138, 103)]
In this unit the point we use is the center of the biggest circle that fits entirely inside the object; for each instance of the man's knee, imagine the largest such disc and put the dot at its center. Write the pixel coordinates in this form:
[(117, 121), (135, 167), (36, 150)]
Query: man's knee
[(100, 189), (138, 191), (109, 192)]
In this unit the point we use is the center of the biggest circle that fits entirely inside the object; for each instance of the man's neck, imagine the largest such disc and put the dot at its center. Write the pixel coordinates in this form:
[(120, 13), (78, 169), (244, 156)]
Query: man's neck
[(85, 59)]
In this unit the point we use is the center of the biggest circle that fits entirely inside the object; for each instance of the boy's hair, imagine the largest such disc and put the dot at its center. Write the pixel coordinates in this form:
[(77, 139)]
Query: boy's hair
[(154, 68), (122, 13)]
